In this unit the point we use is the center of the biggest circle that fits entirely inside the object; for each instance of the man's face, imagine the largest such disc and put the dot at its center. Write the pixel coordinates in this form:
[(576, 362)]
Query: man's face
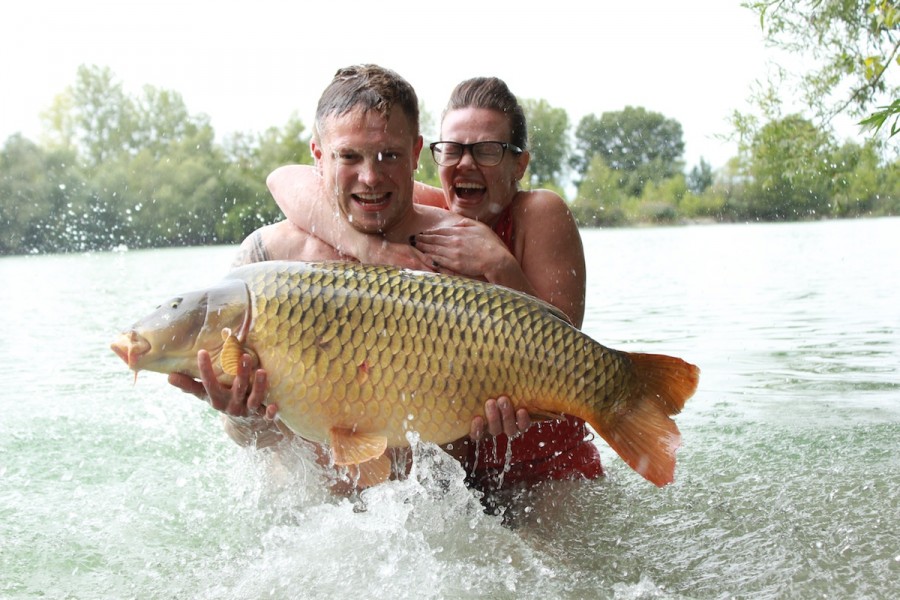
[(368, 163)]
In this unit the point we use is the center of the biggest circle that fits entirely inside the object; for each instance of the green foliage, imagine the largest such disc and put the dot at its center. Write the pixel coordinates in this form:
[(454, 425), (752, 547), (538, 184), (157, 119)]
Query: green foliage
[(860, 185), (700, 178), (548, 141), (850, 51), (641, 145), (35, 190), (600, 200), (94, 116), (247, 203), (139, 171), (791, 170), (884, 114), (143, 171)]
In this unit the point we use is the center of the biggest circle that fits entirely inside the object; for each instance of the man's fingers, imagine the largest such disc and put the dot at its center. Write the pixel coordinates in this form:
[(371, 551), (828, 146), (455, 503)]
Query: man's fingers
[(476, 432), (237, 399), (493, 417), (257, 392), (507, 416), (188, 384), (523, 420), (210, 384)]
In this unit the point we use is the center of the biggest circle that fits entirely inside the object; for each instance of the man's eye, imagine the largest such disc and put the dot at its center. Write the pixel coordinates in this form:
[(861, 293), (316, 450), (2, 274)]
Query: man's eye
[(386, 156), (348, 156)]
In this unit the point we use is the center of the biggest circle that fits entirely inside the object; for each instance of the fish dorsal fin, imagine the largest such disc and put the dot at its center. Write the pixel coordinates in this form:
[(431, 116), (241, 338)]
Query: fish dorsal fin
[(352, 447), (232, 351)]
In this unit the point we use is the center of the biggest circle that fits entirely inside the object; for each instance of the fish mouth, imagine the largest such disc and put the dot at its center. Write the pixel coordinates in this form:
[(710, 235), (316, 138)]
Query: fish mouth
[(130, 347)]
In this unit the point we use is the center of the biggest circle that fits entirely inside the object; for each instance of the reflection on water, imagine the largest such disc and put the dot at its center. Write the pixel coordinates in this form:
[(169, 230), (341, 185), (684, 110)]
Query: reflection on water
[(786, 485)]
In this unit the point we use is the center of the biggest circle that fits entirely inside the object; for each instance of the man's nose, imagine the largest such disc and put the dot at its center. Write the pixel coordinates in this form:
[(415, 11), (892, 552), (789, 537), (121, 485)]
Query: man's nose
[(371, 171)]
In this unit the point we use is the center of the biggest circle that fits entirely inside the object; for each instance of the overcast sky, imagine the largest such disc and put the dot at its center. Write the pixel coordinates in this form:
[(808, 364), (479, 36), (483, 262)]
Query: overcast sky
[(250, 65)]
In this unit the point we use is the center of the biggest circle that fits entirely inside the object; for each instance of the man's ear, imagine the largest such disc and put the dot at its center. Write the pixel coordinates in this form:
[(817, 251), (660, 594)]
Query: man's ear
[(316, 150)]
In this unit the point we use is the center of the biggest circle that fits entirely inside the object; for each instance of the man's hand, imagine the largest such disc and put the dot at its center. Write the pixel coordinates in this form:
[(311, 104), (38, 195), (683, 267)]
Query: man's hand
[(501, 418), (233, 401)]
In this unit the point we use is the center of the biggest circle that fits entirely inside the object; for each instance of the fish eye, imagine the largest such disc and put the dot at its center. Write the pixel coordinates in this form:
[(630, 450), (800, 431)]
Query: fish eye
[(175, 303)]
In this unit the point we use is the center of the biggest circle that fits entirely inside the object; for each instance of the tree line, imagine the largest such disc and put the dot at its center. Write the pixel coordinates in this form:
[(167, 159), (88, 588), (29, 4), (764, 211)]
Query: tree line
[(114, 169)]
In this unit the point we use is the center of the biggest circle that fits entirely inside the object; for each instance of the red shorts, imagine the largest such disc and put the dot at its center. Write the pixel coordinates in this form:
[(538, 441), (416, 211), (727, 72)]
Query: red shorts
[(551, 450)]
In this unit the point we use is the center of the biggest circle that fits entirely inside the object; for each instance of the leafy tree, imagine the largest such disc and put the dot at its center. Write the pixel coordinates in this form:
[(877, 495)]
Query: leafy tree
[(41, 192), (548, 141), (851, 49), (94, 116), (791, 169), (861, 185), (600, 197), (428, 170), (700, 178), (660, 200), (247, 202), (707, 205), (175, 199), (887, 202), (642, 145), (161, 118)]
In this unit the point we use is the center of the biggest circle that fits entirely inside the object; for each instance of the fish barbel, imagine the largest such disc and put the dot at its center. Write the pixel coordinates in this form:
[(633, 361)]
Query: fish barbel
[(358, 355)]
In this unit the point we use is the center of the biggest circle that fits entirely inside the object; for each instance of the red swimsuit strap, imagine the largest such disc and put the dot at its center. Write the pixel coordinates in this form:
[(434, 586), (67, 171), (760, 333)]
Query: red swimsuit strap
[(504, 227)]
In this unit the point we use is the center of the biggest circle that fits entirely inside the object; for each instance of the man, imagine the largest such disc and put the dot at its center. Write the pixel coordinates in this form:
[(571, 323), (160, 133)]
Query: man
[(366, 145)]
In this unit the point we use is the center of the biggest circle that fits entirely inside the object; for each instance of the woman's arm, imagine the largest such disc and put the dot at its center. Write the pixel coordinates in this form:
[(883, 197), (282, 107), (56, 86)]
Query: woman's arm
[(550, 251), (299, 192), (429, 196)]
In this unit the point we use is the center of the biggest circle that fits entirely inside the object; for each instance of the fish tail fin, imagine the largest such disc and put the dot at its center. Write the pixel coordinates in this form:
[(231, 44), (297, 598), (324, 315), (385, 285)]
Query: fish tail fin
[(641, 430)]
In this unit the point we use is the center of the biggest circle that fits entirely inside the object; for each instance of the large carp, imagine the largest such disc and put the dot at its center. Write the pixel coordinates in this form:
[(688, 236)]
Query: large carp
[(357, 355)]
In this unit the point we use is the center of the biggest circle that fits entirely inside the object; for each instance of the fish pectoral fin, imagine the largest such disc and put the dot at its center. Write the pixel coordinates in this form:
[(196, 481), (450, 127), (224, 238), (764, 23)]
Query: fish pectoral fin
[(372, 472), (232, 351), (352, 447)]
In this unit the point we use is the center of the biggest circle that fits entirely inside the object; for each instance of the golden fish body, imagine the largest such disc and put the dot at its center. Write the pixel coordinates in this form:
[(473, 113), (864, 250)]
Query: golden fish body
[(359, 355)]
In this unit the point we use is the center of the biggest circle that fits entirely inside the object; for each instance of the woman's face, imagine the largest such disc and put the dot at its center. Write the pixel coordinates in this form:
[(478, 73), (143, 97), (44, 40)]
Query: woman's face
[(473, 190)]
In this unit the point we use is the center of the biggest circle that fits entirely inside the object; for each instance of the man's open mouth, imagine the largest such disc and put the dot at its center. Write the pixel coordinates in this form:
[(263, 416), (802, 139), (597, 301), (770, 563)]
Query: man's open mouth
[(372, 200)]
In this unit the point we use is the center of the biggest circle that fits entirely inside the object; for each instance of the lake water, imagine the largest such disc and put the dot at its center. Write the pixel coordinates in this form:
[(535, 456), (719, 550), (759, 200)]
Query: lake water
[(787, 486)]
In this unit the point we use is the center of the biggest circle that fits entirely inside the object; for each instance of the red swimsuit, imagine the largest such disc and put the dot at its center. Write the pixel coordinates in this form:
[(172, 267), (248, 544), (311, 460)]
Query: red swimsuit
[(550, 450)]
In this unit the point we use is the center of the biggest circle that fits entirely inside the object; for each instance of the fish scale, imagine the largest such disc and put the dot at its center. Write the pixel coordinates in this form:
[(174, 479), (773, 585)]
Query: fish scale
[(427, 316), (359, 353)]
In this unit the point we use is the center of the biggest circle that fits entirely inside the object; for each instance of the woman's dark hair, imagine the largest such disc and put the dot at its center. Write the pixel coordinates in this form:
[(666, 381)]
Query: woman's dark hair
[(493, 94)]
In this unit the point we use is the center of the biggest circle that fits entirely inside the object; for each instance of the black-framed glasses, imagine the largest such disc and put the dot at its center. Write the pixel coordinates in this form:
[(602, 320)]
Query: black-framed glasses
[(486, 154)]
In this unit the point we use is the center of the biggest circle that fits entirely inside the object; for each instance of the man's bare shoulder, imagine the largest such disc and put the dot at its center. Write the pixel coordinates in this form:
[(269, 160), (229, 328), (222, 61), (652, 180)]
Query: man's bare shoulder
[(284, 241)]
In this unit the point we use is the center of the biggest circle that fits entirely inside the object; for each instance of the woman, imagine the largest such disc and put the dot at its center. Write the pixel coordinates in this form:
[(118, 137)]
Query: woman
[(526, 240)]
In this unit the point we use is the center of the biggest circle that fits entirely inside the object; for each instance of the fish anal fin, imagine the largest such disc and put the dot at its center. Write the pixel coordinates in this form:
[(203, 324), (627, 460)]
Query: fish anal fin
[(641, 431), (232, 351), (352, 447)]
